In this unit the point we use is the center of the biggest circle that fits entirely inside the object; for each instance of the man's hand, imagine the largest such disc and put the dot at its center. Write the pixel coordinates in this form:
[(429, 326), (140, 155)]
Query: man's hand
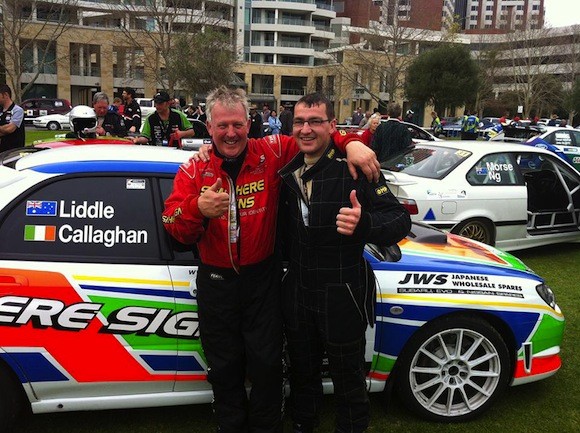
[(360, 155), (212, 203), (348, 217), (203, 153)]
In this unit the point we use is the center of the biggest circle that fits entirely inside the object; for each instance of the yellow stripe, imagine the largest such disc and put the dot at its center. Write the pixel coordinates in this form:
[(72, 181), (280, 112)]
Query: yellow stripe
[(478, 303), (131, 280)]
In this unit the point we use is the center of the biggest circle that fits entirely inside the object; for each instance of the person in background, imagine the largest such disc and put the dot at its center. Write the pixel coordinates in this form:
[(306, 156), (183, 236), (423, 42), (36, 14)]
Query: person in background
[(409, 116), (108, 122), (175, 104), (238, 278), (329, 290), (256, 129), (365, 120), (132, 111), (369, 133), (274, 123), (165, 126), (286, 117), (553, 120), (357, 116), (12, 132), (116, 105), (391, 136), (265, 112), (436, 125), (469, 126)]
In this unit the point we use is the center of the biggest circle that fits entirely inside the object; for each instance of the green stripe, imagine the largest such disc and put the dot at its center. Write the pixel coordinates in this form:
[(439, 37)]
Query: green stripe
[(29, 233)]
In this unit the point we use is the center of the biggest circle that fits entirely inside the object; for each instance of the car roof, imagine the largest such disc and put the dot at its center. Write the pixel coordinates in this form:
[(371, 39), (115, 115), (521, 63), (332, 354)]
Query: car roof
[(485, 147), (67, 157)]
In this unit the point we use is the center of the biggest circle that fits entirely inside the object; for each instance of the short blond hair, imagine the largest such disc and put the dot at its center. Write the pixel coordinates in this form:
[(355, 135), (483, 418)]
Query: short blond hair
[(227, 97)]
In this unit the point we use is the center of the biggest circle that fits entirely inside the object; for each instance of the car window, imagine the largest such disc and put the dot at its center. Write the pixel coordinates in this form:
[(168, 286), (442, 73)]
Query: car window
[(110, 218), (426, 161), (561, 138), (146, 103), (495, 169), (418, 134), (181, 252), (45, 105)]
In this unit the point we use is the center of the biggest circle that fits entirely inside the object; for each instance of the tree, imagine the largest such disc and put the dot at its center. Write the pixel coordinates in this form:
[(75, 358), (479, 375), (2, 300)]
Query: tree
[(157, 27), (30, 31), (445, 77), (386, 50), (197, 74), (528, 53)]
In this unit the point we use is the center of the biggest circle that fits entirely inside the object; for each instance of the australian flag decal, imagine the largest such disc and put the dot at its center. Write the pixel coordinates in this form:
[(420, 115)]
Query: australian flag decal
[(40, 208)]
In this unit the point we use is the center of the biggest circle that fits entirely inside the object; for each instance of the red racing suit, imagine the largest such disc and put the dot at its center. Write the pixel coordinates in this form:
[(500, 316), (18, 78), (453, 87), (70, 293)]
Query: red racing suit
[(245, 234)]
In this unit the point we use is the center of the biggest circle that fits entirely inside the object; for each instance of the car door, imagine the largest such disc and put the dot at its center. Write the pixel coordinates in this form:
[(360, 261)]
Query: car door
[(87, 307), (183, 263), (498, 193)]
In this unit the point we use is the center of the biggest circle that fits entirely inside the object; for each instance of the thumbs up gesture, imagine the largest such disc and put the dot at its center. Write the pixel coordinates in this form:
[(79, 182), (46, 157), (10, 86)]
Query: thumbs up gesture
[(212, 203), (348, 217)]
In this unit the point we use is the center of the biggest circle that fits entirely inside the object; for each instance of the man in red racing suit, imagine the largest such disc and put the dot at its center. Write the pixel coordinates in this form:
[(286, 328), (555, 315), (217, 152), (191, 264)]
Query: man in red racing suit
[(228, 207)]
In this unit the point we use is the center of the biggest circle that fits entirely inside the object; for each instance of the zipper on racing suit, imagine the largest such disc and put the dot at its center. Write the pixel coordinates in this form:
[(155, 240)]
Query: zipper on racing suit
[(233, 224)]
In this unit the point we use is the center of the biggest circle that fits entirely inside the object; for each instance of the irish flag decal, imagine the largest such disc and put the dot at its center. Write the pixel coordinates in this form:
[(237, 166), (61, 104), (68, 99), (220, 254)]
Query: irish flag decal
[(39, 233)]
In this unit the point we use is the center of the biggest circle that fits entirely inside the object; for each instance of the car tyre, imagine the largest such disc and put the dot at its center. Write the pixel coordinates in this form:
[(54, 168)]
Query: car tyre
[(476, 229), (13, 402), (453, 369), (53, 126)]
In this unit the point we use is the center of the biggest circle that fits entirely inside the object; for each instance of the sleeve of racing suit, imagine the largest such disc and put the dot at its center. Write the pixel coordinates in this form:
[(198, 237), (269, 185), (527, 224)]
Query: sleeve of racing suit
[(181, 217), (384, 221)]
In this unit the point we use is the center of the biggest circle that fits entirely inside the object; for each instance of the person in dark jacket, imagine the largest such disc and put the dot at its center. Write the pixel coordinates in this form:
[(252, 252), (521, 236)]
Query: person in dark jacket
[(256, 127), (286, 117), (12, 132), (108, 122), (329, 289), (132, 111), (391, 136)]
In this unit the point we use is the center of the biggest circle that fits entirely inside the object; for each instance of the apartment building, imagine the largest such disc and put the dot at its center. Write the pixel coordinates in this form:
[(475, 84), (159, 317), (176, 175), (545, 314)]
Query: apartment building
[(85, 46), (283, 40), (499, 16), (473, 16)]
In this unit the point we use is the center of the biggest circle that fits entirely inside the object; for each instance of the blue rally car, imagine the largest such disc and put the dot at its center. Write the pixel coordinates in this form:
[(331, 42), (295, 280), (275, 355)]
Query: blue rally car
[(98, 305)]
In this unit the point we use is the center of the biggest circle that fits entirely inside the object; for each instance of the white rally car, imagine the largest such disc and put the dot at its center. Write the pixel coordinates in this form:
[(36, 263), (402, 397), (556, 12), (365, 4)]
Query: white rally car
[(98, 305), (512, 196)]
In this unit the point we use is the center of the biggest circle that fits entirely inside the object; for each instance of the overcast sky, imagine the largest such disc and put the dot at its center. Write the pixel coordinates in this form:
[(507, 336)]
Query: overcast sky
[(562, 12)]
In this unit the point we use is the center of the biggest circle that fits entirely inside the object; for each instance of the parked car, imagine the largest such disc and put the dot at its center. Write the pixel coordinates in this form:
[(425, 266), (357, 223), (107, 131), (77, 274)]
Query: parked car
[(418, 134), (52, 122), (452, 128), (565, 142), (42, 106), (98, 304), (509, 195), (147, 106)]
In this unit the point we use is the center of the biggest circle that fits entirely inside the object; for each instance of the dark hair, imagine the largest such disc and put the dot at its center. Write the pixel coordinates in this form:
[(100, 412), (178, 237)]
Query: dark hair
[(318, 99), (5, 88), (394, 109), (130, 91)]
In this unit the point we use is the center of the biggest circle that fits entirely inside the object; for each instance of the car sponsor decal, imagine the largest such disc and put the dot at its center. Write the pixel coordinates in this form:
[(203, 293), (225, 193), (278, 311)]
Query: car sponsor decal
[(100, 334)]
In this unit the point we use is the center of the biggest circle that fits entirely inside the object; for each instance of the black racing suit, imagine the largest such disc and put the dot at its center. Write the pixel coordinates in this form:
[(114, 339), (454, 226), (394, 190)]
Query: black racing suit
[(329, 291), (132, 116), (113, 124)]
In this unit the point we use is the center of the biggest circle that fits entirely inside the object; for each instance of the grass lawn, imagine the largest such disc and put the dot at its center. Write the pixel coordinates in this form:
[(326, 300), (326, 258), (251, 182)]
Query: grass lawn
[(34, 134), (552, 405)]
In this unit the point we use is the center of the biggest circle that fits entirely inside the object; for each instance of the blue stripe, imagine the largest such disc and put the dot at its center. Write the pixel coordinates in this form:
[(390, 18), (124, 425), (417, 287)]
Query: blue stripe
[(172, 363), (108, 166), (520, 323), (33, 367), (157, 292)]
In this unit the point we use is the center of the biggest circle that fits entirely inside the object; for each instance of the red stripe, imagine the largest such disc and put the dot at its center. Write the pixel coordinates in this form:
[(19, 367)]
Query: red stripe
[(379, 376), (544, 364)]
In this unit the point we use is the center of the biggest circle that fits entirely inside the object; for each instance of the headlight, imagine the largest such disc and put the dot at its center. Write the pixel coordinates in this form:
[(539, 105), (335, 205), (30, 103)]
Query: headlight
[(546, 294)]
